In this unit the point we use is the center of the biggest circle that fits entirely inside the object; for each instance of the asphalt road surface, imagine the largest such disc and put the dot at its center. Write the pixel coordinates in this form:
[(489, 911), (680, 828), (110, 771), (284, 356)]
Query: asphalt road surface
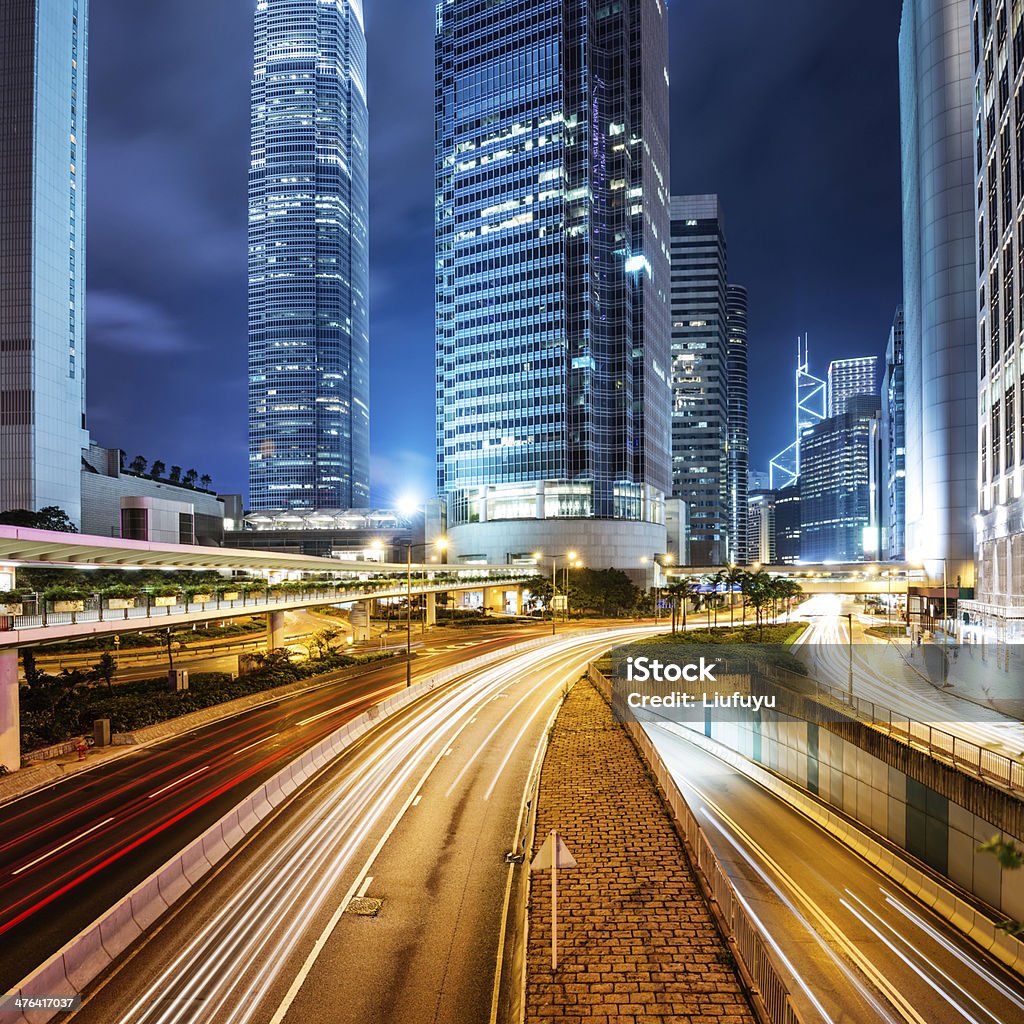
[(859, 950), (893, 683), (419, 815), (70, 851)]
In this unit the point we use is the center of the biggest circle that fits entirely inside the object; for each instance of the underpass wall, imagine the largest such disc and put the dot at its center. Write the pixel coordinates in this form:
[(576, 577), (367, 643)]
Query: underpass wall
[(909, 813)]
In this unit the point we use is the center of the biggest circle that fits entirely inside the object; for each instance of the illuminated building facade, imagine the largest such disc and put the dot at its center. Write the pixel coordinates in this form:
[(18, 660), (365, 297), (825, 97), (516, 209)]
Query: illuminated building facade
[(552, 235), (308, 258)]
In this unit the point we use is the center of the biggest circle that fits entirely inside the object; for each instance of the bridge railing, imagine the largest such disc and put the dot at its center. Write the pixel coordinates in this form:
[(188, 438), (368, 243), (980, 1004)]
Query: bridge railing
[(36, 611), (988, 765)]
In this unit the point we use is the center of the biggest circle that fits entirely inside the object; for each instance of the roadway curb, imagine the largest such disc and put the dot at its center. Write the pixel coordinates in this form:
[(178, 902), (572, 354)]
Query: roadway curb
[(963, 916), (46, 773), (71, 969)]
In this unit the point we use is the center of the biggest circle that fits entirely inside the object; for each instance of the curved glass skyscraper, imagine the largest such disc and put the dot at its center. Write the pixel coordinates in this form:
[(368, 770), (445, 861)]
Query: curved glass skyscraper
[(308, 258)]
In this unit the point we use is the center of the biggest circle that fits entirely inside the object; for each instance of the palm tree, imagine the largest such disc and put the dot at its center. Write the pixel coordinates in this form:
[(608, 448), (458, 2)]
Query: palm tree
[(157, 469), (189, 479), (757, 588), (206, 480), (732, 579), (680, 592)]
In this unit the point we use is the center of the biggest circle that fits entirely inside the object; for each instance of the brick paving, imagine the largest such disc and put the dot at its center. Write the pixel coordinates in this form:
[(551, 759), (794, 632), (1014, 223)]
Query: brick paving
[(637, 944)]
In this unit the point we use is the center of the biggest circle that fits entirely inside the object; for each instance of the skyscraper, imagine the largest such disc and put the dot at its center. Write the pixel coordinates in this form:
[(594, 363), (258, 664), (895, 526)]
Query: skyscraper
[(850, 378), (739, 432), (308, 258), (939, 299), (552, 278), (894, 471), (998, 119), (700, 374), (43, 101), (835, 483)]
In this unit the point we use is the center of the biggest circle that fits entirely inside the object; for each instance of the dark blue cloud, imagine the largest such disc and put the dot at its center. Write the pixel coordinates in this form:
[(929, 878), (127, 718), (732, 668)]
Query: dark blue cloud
[(789, 111)]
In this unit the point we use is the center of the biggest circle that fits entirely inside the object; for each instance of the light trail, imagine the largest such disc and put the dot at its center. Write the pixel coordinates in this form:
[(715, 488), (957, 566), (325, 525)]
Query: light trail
[(223, 973)]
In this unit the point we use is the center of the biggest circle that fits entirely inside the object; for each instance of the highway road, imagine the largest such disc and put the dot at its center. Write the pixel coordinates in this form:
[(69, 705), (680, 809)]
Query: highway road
[(858, 950), (70, 851), (419, 815), (893, 683)]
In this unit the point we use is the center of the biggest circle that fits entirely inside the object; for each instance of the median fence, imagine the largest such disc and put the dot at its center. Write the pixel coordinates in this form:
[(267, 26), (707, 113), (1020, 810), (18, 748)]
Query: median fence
[(70, 970), (769, 986)]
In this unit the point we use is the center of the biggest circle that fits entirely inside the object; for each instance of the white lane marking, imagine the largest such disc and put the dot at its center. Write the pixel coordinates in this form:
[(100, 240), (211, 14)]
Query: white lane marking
[(64, 845), (825, 925), (255, 744), (178, 782), (367, 882), (891, 946), (448, 752), (519, 735), (416, 802), (983, 972)]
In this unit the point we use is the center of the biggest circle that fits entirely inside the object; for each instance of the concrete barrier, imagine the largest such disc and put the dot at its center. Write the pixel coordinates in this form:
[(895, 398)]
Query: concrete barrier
[(75, 965)]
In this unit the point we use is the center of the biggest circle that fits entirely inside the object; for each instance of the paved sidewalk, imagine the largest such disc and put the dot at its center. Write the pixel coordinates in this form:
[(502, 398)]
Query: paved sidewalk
[(637, 943)]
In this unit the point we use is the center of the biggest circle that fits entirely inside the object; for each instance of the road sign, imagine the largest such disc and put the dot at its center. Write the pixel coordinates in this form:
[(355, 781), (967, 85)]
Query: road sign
[(554, 854), (560, 602)]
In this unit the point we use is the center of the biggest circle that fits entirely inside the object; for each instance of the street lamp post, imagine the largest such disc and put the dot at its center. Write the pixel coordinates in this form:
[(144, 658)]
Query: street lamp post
[(441, 543), (849, 647)]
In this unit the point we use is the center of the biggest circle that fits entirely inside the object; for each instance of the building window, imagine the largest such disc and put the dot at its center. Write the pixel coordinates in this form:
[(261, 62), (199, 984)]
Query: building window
[(186, 530), (134, 524)]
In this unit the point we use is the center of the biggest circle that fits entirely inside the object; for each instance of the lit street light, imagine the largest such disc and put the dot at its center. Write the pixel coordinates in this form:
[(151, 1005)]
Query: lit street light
[(571, 556)]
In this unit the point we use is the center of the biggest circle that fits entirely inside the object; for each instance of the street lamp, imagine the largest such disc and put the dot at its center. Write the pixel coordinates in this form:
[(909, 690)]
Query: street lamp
[(571, 557), (441, 544)]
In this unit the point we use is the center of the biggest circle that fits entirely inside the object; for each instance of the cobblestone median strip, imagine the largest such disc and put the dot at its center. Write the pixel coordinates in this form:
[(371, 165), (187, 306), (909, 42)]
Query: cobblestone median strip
[(637, 942)]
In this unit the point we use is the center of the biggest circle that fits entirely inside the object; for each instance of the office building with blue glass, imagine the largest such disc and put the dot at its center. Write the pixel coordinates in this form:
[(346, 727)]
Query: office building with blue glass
[(43, 100), (308, 258), (552, 278)]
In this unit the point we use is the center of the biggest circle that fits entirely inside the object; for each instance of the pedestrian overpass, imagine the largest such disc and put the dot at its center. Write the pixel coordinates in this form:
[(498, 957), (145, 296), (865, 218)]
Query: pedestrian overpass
[(850, 578), (292, 581)]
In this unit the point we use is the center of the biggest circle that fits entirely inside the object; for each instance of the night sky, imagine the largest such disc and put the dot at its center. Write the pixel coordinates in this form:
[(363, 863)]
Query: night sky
[(789, 111)]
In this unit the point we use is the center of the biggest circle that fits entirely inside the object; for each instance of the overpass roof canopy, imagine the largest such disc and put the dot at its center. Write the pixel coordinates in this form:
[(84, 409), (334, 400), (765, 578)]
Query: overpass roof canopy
[(23, 546)]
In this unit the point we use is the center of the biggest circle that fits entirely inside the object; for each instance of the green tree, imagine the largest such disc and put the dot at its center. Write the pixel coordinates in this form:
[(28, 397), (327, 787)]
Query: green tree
[(175, 475), (1010, 856), (189, 479), (206, 480), (138, 465), (157, 470), (104, 669), (732, 579), (50, 517)]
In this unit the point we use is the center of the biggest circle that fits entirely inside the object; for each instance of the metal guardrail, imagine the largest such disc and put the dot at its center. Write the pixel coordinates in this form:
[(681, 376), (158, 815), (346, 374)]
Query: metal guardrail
[(769, 983), (94, 609), (985, 764)]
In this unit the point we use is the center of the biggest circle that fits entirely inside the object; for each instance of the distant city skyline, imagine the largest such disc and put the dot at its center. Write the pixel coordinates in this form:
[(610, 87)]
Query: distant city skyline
[(791, 148)]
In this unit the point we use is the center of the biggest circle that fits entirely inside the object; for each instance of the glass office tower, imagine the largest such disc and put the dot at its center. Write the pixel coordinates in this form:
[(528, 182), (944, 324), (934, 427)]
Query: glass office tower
[(308, 258), (551, 121), (741, 549), (700, 375), (43, 58)]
